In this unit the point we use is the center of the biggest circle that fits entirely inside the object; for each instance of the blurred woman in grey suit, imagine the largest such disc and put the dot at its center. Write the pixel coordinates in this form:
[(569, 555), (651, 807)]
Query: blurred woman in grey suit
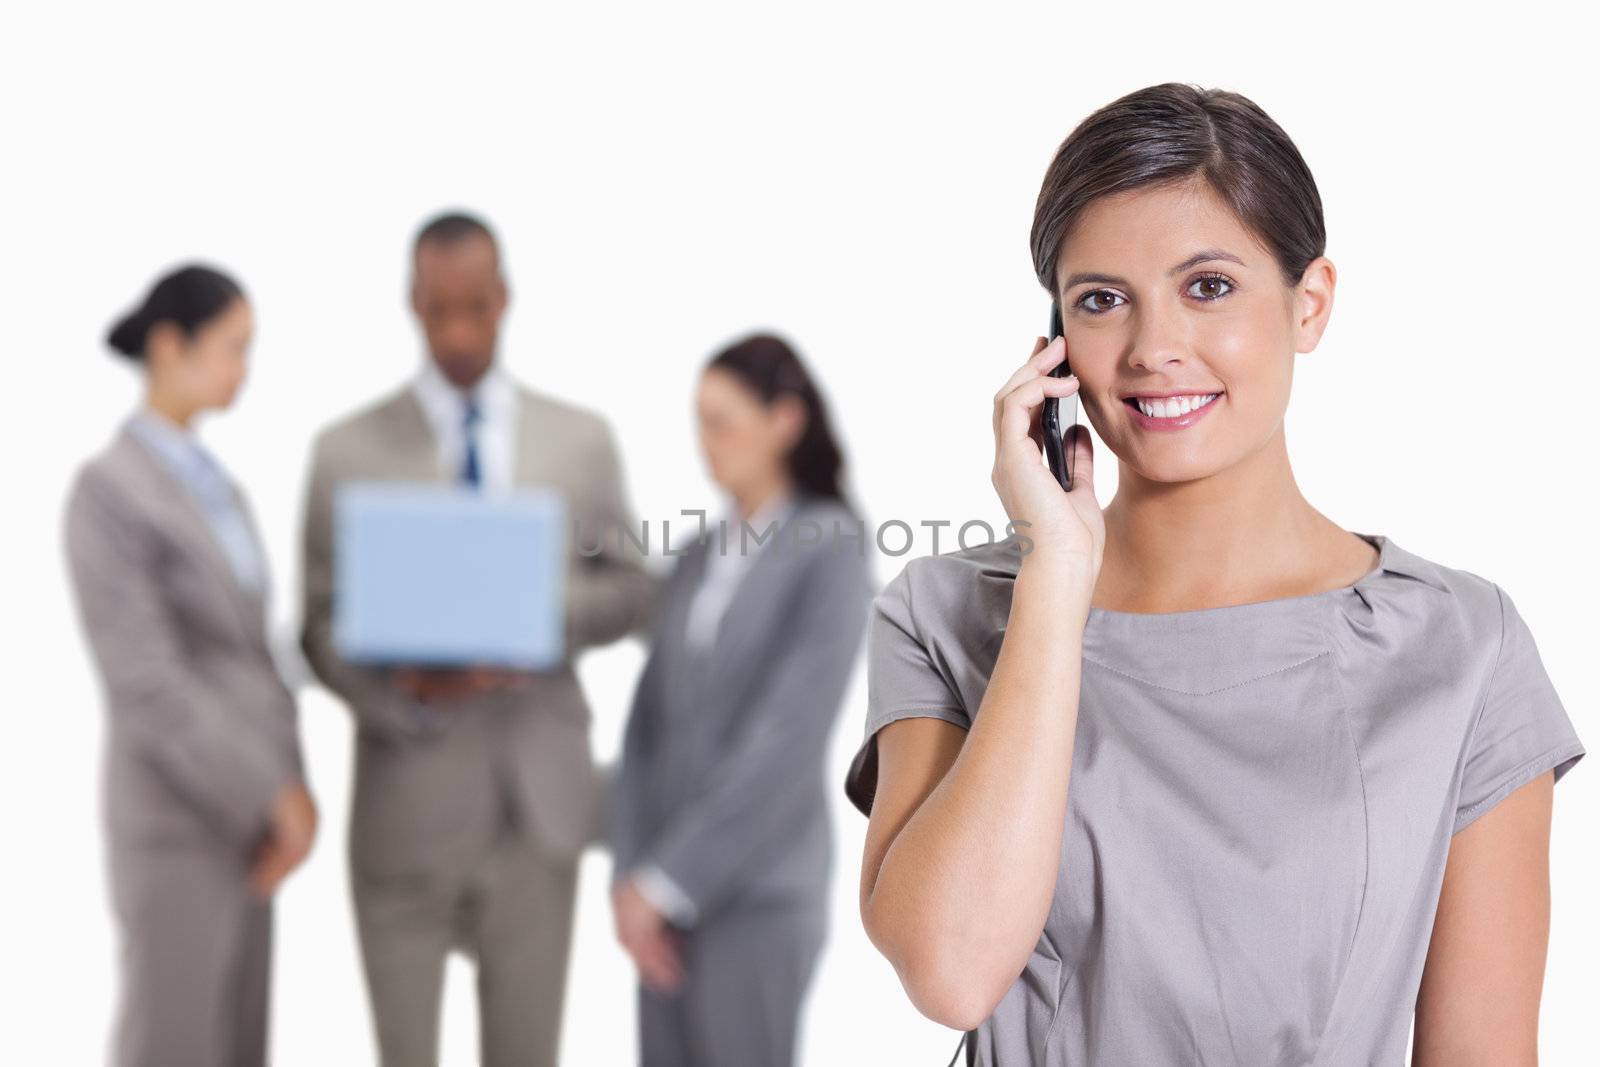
[(719, 824), (205, 806)]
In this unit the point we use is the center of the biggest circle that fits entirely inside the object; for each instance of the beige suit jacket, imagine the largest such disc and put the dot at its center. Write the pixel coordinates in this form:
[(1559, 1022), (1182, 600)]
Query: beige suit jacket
[(427, 799), (201, 730)]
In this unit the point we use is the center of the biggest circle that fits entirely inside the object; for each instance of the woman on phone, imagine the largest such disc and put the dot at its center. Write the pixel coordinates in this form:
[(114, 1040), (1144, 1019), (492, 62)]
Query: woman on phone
[(1203, 777), (720, 831), (205, 804)]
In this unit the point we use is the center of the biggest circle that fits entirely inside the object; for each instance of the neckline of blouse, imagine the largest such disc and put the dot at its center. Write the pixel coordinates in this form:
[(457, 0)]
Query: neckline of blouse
[(1391, 558)]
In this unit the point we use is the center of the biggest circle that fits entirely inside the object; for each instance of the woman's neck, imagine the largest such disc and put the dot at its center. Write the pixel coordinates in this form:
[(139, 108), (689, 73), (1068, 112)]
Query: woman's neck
[(1238, 536), (174, 410), (752, 499)]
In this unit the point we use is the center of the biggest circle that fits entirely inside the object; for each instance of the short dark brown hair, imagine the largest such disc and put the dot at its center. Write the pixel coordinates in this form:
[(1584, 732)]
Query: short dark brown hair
[(449, 227), (1166, 134)]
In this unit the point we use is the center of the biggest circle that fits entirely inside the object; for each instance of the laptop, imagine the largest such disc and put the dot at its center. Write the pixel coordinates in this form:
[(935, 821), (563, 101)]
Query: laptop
[(448, 576)]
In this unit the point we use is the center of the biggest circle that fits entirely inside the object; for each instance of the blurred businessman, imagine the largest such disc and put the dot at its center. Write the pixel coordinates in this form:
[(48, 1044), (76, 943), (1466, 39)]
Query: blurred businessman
[(475, 790), (205, 803), (719, 824)]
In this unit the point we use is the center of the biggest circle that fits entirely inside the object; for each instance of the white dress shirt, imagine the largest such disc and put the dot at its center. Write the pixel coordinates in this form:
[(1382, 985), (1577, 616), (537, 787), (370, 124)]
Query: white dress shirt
[(729, 556), (728, 559), (444, 406)]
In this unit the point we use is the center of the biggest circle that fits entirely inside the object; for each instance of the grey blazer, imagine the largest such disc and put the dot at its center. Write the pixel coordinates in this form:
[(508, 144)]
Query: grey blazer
[(202, 731), (425, 801), (722, 780)]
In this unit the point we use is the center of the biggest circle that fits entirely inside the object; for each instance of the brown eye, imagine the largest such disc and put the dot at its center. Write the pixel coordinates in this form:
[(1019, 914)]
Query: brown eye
[(1091, 302), (1217, 287)]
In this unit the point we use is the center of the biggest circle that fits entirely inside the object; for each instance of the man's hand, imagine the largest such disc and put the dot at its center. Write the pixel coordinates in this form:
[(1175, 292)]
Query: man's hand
[(288, 840), (434, 686), (645, 934)]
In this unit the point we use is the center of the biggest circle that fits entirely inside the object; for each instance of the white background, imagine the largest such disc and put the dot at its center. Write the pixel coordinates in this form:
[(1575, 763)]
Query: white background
[(860, 177)]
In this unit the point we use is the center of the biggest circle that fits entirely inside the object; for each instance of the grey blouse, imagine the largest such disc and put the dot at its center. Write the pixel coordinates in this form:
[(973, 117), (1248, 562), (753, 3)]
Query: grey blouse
[(1261, 802)]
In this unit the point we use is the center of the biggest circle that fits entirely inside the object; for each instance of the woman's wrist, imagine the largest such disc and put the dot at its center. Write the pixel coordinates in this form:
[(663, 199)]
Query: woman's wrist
[(1065, 579)]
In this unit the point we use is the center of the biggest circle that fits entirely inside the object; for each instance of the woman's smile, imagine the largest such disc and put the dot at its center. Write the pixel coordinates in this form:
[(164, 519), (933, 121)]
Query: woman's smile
[(1170, 411)]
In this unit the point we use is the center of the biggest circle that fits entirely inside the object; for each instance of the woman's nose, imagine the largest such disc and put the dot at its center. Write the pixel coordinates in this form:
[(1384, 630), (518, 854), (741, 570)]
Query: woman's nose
[(1158, 340)]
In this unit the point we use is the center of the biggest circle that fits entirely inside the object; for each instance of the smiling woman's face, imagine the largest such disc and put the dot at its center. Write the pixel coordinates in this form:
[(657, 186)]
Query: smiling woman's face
[(1144, 317)]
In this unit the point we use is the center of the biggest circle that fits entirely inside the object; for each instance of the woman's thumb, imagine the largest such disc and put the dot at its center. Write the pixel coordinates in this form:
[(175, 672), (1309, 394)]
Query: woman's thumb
[(1081, 449)]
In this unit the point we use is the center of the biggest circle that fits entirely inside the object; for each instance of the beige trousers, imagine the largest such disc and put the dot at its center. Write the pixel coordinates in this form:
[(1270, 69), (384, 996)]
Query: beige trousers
[(511, 914)]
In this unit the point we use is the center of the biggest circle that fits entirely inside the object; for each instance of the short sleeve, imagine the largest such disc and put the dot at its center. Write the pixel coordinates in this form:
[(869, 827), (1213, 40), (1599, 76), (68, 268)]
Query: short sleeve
[(903, 681), (1523, 729)]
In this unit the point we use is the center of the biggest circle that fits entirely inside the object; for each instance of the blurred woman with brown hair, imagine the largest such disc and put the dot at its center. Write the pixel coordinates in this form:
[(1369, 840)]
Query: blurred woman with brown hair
[(720, 827)]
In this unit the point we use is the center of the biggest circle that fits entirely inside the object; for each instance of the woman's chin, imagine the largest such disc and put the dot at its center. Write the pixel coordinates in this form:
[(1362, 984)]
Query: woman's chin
[(1174, 470)]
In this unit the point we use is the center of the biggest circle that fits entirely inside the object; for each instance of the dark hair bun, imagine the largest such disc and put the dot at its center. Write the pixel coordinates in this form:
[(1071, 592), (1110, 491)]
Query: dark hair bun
[(127, 336), (187, 297)]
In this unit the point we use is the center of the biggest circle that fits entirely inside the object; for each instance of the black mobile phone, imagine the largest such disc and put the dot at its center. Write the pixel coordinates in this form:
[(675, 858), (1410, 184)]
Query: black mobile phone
[(1051, 424)]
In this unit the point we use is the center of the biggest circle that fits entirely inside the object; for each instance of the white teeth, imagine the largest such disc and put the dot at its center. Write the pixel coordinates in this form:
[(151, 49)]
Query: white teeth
[(1172, 407)]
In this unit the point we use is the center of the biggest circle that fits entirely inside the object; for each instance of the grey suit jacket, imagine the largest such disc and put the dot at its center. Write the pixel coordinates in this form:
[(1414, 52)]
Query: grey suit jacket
[(722, 781), (202, 731), (429, 800)]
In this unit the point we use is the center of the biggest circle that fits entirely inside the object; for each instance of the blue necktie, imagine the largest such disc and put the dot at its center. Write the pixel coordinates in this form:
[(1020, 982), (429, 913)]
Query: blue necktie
[(470, 474)]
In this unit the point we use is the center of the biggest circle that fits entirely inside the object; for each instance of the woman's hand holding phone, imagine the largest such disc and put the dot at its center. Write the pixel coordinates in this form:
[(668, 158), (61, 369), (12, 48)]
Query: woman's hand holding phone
[(1064, 527)]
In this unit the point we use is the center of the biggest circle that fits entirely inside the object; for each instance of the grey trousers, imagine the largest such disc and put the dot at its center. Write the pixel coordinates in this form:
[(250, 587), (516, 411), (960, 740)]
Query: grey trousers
[(512, 916), (746, 975), (196, 949)]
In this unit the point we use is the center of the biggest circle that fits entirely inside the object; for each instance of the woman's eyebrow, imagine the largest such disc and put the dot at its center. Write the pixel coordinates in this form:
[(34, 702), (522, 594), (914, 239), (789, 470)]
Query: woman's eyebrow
[(1205, 255)]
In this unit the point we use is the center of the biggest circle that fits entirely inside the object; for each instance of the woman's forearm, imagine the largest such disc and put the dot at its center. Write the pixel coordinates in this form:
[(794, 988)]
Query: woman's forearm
[(964, 889)]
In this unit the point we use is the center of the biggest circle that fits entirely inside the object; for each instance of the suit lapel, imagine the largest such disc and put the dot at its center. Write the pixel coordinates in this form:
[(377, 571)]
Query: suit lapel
[(528, 456), (414, 451), (765, 579), (683, 678), (180, 513)]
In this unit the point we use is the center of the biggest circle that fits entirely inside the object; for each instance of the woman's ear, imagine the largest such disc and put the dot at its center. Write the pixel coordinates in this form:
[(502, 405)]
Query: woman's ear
[(1313, 303), (789, 411), (163, 343)]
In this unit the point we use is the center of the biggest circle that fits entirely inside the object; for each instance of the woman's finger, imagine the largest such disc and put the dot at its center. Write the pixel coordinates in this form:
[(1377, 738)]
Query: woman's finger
[(1045, 356), (1019, 410), (657, 964), (271, 867)]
